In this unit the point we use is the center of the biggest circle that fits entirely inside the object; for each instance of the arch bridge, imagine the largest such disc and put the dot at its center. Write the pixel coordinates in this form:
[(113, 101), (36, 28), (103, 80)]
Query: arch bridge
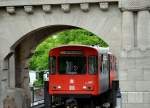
[(123, 24)]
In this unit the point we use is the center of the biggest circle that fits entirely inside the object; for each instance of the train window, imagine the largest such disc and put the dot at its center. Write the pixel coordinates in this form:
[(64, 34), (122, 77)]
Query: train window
[(92, 64), (116, 69), (72, 65), (101, 67), (105, 66), (111, 67), (52, 65), (110, 63)]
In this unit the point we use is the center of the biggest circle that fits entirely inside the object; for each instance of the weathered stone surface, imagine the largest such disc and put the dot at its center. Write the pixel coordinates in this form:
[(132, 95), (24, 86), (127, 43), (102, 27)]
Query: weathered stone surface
[(146, 97), (12, 72), (123, 75), (123, 105), (53, 2), (47, 8), (9, 102), (143, 62), (124, 97), (135, 74), (10, 10), (134, 4), (28, 9), (143, 29), (147, 74), (85, 7), (135, 97), (138, 52), (127, 30), (137, 105), (104, 6), (127, 63), (9, 99), (65, 7), (143, 86), (127, 86)]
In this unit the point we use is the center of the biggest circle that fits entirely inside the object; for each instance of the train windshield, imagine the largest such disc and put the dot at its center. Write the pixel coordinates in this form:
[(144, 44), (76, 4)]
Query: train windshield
[(72, 65)]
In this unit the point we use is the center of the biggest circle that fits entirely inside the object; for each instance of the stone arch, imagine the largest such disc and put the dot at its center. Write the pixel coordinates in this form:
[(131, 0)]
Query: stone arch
[(16, 62), (23, 49)]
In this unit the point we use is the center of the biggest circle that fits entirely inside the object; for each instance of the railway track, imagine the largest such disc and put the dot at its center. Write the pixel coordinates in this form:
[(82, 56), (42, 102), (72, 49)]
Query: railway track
[(42, 105), (38, 104)]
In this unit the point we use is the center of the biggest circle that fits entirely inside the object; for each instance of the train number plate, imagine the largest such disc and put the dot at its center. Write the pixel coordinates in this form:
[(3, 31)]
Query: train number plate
[(71, 87)]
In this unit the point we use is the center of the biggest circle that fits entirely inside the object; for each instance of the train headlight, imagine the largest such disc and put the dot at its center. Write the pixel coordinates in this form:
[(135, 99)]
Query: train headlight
[(56, 87), (87, 87), (84, 87), (59, 87)]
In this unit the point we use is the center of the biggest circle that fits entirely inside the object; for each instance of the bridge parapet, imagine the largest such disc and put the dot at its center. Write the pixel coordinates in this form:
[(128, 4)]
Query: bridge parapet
[(47, 4), (4, 3)]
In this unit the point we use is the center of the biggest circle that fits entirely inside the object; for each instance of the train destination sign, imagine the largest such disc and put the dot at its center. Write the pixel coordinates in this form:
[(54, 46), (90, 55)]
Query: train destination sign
[(72, 52)]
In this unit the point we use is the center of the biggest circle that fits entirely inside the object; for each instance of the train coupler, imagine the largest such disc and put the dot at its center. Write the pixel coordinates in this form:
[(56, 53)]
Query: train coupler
[(71, 103)]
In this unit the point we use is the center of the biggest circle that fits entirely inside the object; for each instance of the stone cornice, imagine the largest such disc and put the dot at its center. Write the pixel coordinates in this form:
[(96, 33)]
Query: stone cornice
[(48, 2), (134, 5), (135, 53), (47, 5)]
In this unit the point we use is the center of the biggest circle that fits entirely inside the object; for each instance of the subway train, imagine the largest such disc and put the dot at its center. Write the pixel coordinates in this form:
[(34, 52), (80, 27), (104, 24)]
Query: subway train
[(81, 76)]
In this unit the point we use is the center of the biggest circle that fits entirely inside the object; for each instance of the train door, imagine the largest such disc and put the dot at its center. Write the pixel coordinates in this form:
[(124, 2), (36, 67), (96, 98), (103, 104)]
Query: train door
[(110, 70), (104, 73)]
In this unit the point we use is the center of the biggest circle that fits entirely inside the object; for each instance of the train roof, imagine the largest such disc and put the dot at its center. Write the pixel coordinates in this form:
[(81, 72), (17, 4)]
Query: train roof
[(101, 50), (88, 46)]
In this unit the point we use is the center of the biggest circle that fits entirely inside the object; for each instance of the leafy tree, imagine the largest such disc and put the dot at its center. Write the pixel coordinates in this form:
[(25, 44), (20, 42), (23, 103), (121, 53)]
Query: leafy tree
[(39, 60)]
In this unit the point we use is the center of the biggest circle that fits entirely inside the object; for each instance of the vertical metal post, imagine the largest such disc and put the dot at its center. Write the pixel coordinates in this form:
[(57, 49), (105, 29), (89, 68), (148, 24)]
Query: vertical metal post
[(32, 89), (115, 86), (47, 97)]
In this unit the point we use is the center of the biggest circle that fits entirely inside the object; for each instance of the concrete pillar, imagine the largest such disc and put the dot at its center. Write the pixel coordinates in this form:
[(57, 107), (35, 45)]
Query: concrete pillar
[(3, 79), (0, 82), (25, 84), (143, 20), (127, 30), (12, 71)]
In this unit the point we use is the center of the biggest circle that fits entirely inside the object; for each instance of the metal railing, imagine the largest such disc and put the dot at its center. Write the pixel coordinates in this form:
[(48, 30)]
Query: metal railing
[(37, 94)]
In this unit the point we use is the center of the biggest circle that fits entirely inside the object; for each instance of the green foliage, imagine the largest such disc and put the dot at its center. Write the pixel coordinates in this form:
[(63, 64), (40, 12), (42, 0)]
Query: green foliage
[(38, 83), (39, 60)]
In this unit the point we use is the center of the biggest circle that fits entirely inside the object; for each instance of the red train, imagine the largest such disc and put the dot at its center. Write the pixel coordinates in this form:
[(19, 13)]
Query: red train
[(80, 76)]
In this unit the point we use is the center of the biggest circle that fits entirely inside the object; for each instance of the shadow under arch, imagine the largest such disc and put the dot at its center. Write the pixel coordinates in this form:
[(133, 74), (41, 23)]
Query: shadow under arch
[(24, 49), (41, 33)]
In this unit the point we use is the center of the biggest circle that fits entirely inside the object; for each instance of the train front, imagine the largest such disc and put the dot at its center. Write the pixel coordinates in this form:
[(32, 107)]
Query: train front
[(73, 71)]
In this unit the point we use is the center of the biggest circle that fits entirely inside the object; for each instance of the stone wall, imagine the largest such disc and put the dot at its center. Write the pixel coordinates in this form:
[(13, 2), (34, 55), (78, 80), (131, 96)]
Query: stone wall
[(135, 81), (134, 60)]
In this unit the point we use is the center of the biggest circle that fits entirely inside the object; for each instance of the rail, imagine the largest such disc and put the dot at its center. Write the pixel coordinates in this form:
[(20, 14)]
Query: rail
[(37, 97)]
